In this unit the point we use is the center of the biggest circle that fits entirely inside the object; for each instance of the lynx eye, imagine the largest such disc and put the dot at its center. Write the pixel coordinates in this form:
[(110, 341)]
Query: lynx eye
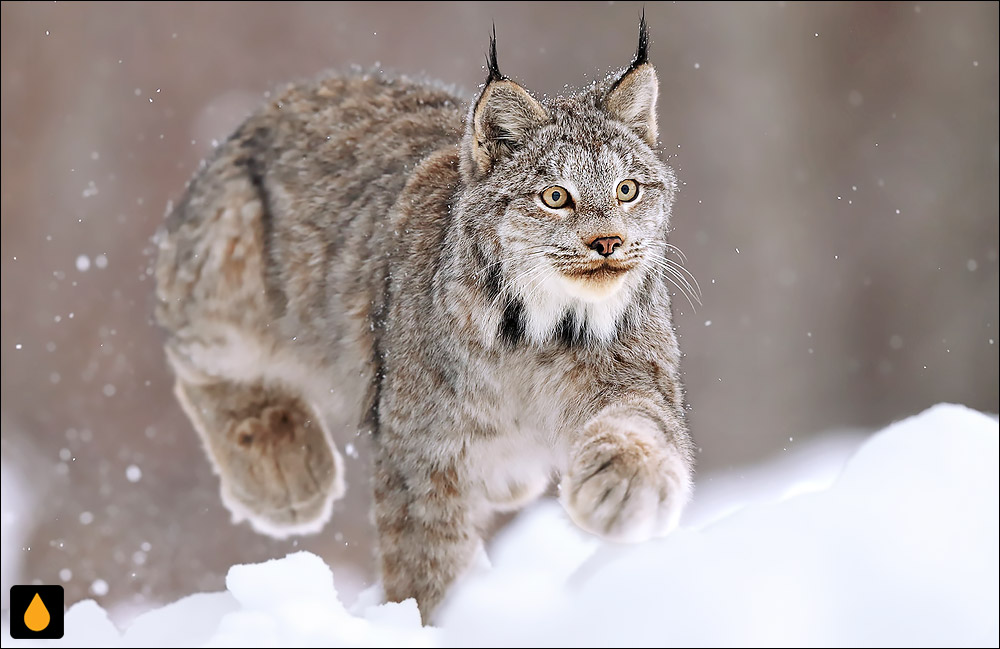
[(627, 191), (555, 197)]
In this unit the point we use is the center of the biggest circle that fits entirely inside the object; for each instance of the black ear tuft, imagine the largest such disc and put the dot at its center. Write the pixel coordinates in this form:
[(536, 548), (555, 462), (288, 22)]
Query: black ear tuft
[(500, 120), (632, 97), (642, 52), (491, 60)]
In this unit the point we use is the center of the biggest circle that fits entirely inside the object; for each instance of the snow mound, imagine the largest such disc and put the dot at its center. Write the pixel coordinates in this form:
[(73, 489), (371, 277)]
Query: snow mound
[(288, 602), (902, 549)]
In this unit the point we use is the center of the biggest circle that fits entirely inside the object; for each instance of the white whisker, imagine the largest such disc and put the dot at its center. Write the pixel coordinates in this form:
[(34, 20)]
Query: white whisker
[(682, 278), (678, 252), (526, 254), (681, 268)]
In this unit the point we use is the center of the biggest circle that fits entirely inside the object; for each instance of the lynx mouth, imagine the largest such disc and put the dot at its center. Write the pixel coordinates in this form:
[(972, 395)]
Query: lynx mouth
[(599, 272), (594, 282)]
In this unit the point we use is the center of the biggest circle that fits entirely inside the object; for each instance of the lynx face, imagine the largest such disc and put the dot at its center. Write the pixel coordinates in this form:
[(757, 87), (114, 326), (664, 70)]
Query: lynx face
[(571, 199), (587, 220)]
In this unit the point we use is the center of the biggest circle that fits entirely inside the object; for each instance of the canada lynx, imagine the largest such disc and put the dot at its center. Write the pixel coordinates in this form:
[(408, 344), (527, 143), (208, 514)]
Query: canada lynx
[(498, 285)]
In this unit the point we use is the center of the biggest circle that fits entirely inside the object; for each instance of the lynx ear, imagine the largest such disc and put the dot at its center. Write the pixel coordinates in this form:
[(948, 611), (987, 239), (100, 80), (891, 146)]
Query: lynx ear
[(632, 100), (501, 119)]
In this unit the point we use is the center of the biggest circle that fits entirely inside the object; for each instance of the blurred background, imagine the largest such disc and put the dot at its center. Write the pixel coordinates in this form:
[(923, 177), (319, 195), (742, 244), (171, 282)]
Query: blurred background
[(839, 205)]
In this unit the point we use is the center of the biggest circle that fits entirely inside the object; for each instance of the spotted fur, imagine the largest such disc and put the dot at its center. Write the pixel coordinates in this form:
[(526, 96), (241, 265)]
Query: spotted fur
[(369, 249)]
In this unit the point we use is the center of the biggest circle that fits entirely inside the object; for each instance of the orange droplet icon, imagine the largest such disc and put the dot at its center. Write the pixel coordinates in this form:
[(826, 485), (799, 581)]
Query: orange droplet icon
[(37, 616)]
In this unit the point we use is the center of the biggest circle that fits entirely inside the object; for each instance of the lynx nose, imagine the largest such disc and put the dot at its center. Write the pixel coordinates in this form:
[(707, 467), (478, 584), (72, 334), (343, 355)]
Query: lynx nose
[(605, 246)]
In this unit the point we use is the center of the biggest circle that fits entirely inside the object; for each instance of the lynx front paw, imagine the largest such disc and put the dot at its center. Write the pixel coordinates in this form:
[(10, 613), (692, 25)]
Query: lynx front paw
[(626, 484)]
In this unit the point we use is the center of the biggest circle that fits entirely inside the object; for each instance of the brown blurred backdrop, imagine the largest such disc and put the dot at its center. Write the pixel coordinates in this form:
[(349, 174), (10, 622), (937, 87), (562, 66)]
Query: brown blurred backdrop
[(839, 205)]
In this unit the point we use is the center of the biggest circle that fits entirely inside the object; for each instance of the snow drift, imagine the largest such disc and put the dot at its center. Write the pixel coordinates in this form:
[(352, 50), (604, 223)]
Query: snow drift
[(902, 549)]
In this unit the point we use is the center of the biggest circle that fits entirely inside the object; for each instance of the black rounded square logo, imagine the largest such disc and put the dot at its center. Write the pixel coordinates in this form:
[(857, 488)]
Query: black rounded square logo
[(36, 612)]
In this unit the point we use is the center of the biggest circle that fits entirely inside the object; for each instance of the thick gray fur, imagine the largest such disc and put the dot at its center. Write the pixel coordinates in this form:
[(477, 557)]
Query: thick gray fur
[(370, 245)]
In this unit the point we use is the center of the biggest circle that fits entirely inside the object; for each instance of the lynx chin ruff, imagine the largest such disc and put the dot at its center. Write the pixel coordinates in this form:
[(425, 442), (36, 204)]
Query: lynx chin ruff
[(497, 275)]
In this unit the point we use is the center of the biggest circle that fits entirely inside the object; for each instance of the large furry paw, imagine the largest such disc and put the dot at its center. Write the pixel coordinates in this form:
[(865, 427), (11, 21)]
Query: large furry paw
[(625, 482), (282, 473), (276, 464)]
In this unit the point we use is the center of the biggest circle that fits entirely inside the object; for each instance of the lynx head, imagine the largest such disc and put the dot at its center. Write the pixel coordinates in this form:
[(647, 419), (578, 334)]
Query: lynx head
[(567, 202)]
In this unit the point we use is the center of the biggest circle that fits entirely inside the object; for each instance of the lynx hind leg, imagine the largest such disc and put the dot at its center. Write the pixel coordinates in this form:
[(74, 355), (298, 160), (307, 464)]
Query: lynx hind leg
[(278, 466)]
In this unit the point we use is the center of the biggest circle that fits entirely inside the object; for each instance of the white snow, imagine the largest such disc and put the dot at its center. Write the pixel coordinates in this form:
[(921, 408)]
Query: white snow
[(133, 473), (900, 548)]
